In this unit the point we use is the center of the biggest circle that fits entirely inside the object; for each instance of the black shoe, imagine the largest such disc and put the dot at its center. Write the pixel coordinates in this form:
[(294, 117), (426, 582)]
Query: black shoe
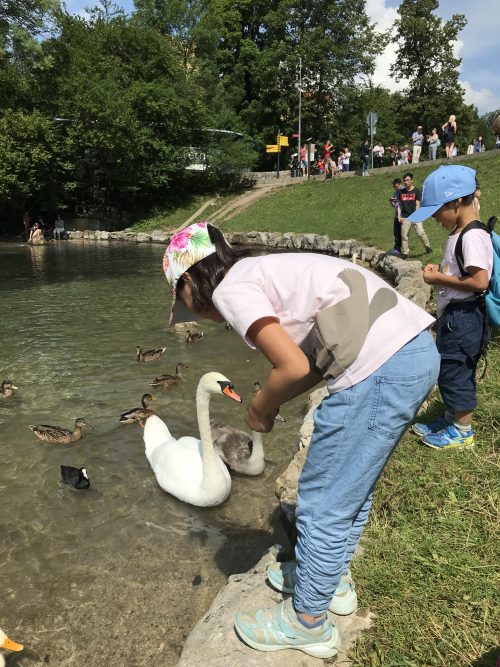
[(403, 256), (428, 249)]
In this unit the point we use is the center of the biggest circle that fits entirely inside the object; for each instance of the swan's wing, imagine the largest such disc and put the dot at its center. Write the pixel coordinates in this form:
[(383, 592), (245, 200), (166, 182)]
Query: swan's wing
[(155, 433), (178, 464)]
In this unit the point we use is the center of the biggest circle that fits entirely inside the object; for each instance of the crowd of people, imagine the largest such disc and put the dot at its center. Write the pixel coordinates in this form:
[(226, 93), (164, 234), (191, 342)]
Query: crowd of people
[(37, 232), (330, 161)]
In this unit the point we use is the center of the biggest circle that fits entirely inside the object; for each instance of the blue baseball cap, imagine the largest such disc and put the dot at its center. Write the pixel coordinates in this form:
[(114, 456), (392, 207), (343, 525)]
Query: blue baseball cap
[(447, 183)]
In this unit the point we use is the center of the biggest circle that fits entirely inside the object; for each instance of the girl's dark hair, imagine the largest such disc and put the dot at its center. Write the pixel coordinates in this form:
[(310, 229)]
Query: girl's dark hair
[(209, 272)]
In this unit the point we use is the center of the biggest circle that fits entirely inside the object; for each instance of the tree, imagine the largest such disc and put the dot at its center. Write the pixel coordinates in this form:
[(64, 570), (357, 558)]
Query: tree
[(131, 112), (249, 54), (425, 58)]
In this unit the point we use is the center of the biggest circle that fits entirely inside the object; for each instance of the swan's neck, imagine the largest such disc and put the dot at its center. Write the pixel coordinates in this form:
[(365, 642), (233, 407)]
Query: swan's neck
[(211, 461), (258, 448)]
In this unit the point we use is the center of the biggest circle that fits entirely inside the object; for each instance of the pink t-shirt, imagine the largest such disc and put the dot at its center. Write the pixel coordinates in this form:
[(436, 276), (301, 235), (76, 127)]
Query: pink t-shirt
[(293, 287), (478, 252)]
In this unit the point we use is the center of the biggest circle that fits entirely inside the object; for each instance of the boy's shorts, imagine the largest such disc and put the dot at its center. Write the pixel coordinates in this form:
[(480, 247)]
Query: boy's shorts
[(459, 341)]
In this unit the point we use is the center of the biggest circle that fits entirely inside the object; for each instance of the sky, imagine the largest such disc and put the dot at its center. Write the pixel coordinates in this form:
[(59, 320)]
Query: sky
[(478, 44)]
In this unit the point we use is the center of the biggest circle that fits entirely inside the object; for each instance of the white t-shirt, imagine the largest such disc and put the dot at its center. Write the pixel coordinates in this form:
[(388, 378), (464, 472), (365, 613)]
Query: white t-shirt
[(477, 250), (293, 287), (346, 158)]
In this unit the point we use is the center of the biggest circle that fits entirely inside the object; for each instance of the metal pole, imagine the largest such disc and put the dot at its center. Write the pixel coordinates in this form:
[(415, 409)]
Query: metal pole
[(300, 107), (371, 138), (279, 151)]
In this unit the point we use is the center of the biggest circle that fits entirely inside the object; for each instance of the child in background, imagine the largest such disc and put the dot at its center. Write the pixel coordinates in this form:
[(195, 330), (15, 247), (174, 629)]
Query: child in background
[(397, 184), (313, 317), (449, 196)]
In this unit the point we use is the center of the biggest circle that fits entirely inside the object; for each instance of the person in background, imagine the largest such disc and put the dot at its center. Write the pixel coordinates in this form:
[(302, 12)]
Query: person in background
[(58, 227), (433, 141), (417, 139), (27, 225), (394, 150), (36, 235), (294, 166), (470, 148), (346, 159), (329, 163), (462, 330), (303, 159), (320, 164), (477, 145), (408, 203), (497, 141), (365, 157), (449, 133), (378, 152), (397, 184), (279, 304)]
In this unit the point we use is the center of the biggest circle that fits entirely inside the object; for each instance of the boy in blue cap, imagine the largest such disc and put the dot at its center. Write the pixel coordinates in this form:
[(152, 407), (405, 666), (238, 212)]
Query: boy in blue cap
[(448, 196)]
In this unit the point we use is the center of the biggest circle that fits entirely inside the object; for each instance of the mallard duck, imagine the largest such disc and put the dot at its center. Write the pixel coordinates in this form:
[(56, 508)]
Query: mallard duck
[(193, 336), (189, 468), (150, 355), (7, 389), (168, 380), (75, 477), (8, 644), (138, 414), (59, 435), (239, 451)]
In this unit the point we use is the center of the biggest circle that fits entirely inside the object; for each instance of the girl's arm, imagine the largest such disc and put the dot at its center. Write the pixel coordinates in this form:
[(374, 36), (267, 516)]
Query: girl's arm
[(477, 281), (290, 376)]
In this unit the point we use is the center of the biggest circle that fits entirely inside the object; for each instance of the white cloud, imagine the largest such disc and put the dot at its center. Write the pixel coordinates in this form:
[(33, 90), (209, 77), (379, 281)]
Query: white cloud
[(483, 98), (479, 33)]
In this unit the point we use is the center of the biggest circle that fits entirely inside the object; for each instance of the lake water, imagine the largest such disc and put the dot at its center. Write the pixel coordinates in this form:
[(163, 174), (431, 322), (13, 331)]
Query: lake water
[(117, 574)]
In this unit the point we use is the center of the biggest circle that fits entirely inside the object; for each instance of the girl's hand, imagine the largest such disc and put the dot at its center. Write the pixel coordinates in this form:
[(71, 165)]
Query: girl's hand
[(263, 423)]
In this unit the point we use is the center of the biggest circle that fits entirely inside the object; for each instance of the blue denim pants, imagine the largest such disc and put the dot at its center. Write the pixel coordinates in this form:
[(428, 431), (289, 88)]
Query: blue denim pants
[(355, 433)]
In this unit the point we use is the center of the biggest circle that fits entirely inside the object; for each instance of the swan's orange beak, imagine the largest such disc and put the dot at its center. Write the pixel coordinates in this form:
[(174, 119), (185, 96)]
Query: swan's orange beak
[(229, 391), (12, 646)]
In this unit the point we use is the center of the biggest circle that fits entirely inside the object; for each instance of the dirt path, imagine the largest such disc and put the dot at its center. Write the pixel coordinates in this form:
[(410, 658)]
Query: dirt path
[(243, 201)]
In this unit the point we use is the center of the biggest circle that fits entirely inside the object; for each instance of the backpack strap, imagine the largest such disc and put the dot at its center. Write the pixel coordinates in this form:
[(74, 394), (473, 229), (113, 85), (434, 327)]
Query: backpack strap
[(459, 253)]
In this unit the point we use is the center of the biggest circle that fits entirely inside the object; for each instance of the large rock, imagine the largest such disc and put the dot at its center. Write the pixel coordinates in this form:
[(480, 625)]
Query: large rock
[(414, 288), (159, 236), (214, 643), (143, 238)]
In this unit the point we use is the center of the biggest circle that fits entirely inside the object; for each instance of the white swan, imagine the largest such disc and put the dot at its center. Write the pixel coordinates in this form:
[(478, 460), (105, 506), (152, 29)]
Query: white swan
[(239, 451), (8, 644), (188, 468)]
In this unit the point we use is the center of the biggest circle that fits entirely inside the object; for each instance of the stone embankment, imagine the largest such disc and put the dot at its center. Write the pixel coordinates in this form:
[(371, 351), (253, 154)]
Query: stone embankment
[(212, 642)]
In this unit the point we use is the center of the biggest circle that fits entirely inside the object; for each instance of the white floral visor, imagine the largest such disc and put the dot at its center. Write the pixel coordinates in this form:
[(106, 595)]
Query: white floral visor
[(186, 248)]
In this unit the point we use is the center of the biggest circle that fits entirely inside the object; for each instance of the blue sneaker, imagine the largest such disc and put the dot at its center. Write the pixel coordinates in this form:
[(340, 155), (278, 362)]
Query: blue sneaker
[(450, 438), (279, 628), (282, 577), (424, 429)]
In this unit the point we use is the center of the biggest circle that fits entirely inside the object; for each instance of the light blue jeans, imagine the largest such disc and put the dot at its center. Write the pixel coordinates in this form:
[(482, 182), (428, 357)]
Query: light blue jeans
[(355, 432)]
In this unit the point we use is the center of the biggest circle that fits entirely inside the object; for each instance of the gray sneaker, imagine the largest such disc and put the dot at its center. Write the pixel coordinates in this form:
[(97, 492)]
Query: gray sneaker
[(282, 577)]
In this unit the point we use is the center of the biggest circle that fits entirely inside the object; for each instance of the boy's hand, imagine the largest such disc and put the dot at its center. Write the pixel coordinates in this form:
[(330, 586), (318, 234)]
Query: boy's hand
[(431, 273)]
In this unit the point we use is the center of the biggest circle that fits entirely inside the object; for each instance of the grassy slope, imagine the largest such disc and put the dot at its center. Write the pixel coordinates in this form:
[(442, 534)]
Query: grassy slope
[(430, 566)]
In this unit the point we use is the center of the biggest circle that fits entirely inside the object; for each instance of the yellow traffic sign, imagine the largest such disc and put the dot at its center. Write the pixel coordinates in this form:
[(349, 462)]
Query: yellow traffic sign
[(282, 140), (272, 148)]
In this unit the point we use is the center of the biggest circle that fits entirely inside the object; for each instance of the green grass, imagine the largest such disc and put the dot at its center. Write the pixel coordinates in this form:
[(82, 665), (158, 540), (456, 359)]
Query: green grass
[(357, 208), (175, 217), (429, 571)]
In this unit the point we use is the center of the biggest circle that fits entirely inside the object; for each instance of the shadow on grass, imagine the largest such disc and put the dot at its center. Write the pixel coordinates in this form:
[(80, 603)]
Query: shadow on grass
[(489, 659)]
